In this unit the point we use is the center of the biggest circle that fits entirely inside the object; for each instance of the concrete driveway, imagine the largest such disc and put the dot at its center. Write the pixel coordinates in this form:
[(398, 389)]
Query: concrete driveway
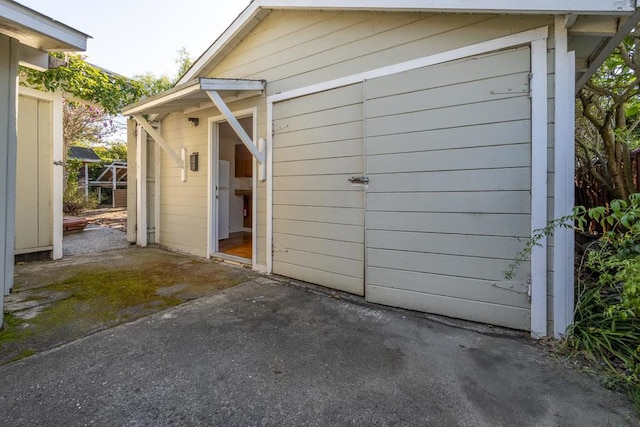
[(268, 353)]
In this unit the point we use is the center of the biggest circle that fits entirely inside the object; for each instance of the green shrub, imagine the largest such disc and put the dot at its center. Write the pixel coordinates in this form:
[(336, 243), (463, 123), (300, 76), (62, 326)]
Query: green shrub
[(73, 199), (606, 328)]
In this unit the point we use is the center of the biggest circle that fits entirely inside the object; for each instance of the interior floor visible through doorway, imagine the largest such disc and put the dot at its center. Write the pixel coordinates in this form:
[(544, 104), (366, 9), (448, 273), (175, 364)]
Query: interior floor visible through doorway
[(238, 244)]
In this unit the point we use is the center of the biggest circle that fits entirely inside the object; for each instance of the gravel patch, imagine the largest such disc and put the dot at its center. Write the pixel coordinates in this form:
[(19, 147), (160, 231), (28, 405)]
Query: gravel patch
[(94, 239)]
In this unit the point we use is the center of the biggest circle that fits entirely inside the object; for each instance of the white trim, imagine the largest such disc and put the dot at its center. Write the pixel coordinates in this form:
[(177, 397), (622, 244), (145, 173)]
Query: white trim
[(157, 188), (40, 29), (57, 173), (233, 122), (525, 37), (254, 197), (141, 184), (212, 172), (159, 139), (183, 171), (144, 106), (539, 143), (269, 247), (563, 254), (207, 84), (466, 6), (210, 200), (8, 160), (38, 94)]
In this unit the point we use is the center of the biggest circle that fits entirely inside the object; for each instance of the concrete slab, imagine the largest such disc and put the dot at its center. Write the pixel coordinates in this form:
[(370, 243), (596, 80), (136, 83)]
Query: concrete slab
[(267, 353)]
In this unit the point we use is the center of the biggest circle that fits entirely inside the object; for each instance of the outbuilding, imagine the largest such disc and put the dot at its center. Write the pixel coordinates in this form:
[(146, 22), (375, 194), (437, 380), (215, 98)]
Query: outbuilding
[(401, 150), (26, 37)]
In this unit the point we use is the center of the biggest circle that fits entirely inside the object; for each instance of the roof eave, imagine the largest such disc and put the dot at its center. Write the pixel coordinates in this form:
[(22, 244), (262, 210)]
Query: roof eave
[(40, 31), (250, 16)]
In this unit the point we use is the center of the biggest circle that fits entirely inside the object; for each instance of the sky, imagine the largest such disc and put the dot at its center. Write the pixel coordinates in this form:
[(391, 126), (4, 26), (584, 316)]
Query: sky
[(131, 37)]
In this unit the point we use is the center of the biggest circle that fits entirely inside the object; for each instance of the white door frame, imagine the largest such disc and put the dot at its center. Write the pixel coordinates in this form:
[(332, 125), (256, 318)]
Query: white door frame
[(212, 179)]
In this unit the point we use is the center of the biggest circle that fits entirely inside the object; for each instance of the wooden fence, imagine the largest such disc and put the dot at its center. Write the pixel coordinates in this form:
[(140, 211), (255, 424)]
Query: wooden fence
[(590, 193)]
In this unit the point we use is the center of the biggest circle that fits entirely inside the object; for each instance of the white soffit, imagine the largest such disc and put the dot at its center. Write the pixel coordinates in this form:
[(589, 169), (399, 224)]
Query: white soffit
[(36, 30), (192, 95)]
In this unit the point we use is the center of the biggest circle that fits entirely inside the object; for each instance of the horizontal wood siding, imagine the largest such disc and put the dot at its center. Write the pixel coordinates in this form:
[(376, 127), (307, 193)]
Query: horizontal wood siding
[(292, 49), (318, 216), (34, 215), (445, 220), (183, 205)]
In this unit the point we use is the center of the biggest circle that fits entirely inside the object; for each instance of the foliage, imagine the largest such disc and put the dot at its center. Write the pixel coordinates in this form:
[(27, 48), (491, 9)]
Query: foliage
[(606, 328), (86, 82), (73, 199), (109, 153), (153, 84), (608, 118), (85, 123)]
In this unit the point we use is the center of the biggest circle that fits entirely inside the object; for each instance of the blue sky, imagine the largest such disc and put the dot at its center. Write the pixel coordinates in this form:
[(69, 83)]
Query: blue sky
[(137, 36)]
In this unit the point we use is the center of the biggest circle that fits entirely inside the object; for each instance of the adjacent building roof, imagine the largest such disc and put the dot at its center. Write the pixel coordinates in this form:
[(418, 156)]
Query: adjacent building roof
[(86, 155), (38, 31)]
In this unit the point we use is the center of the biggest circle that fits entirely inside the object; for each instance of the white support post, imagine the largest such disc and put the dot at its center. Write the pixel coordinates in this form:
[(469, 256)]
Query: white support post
[(58, 173), (269, 187), (8, 153), (114, 185), (237, 127), (141, 183), (563, 254), (86, 182), (539, 142)]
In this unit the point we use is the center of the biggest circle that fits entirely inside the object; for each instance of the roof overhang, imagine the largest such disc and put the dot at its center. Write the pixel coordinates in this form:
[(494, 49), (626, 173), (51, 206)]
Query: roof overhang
[(259, 9), (192, 96), (38, 31)]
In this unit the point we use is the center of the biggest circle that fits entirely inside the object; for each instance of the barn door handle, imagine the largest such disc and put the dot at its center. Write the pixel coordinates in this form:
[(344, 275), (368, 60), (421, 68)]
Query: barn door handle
[(359, 180)]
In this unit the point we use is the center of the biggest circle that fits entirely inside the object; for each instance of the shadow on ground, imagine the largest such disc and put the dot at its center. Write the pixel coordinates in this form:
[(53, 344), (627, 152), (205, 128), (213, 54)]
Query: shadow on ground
[(57, 302)]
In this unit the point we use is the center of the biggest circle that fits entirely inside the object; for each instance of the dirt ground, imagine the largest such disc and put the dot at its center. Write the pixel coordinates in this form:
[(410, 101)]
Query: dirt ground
[(56, 302), (108, 217)]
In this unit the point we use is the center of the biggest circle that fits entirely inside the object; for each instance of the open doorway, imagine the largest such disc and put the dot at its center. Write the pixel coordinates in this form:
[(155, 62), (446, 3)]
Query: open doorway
[(233, 189)]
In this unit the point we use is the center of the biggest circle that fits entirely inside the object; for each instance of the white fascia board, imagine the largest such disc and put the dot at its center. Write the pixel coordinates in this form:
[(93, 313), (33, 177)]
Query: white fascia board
[(464, 6), (236, 26), (232, 84), (586, 7), (30, 20), (172, 94)]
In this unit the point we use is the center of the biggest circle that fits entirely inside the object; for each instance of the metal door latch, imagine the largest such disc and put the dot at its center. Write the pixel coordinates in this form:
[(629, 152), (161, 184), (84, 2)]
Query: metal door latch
[(359, 180)]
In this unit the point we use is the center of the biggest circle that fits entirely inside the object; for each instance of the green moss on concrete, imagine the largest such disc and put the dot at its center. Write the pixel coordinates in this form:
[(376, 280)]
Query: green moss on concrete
[(105, 294)]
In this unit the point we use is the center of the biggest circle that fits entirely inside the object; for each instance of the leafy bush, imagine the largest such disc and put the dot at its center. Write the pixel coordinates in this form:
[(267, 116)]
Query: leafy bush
[(73, 199), (606, 328)]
